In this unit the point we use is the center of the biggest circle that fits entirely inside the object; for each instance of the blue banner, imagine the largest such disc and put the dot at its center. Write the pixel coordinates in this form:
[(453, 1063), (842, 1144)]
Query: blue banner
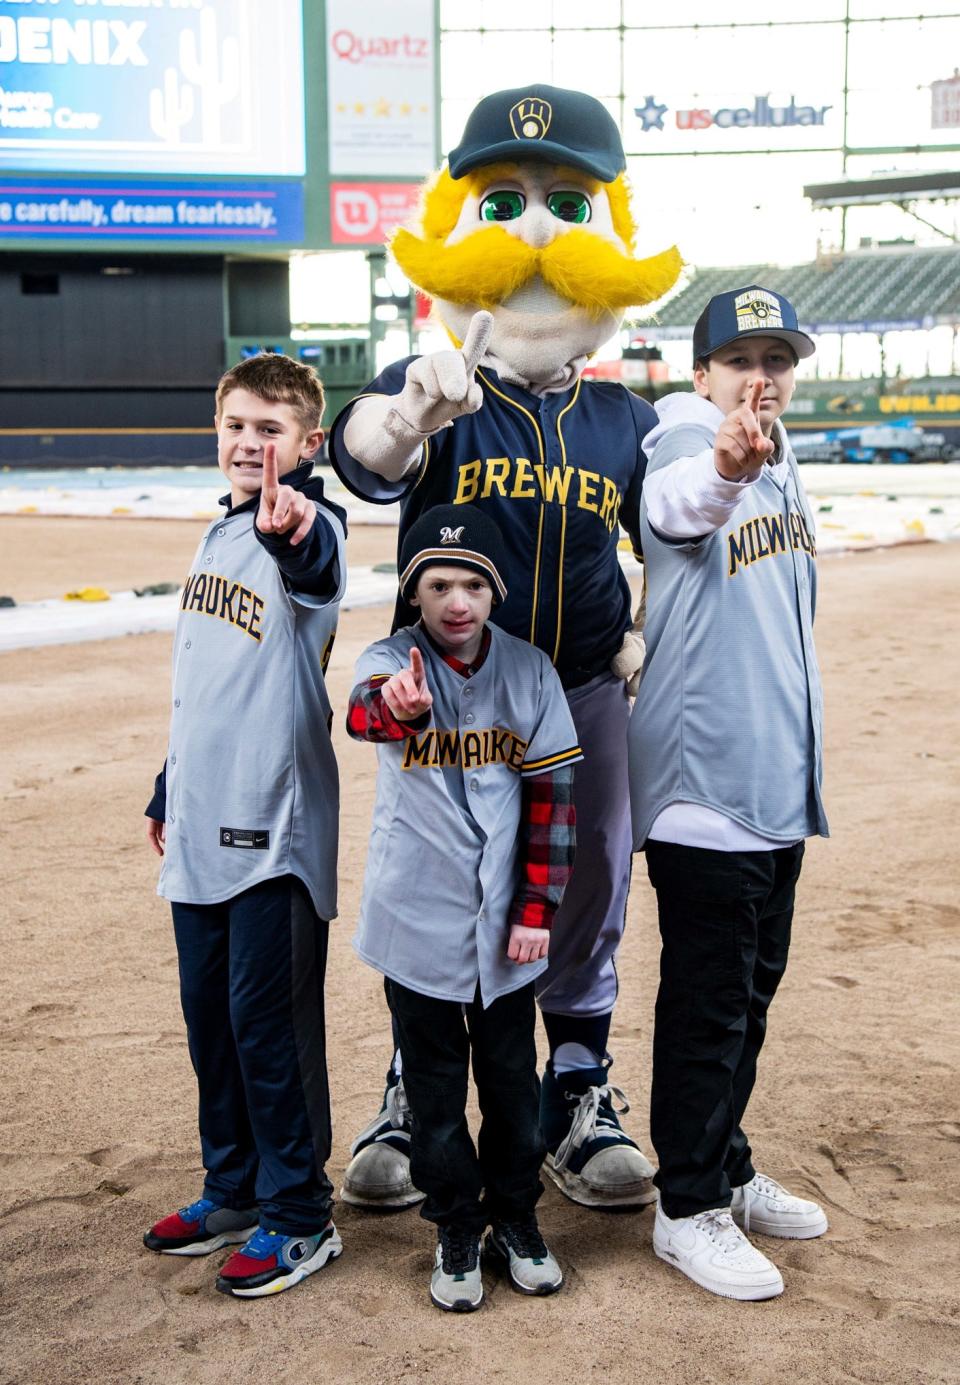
[(161, 210)]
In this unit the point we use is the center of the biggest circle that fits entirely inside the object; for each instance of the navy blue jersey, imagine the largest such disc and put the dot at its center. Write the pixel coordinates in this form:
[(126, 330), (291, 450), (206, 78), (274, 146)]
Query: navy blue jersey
[(559, 474)]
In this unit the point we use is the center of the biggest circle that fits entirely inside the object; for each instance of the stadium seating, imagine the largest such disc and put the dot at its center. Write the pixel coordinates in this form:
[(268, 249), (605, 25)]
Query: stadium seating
[(857, 291)]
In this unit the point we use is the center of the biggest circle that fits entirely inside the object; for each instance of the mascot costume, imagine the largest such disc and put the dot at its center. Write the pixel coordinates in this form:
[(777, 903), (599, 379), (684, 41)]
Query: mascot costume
[(526, 249)]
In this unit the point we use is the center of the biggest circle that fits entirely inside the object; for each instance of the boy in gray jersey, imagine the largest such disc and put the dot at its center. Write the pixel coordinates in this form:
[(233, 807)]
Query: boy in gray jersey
[(245, 818), (470, 852), (725, 746)]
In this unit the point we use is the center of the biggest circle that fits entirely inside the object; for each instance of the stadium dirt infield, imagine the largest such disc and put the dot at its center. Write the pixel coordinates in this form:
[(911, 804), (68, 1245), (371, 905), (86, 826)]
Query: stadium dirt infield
[(856, 1103)]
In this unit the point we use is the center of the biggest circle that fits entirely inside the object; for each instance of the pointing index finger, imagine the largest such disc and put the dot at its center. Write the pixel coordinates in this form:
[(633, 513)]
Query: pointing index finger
[(270, 479), (753, 398), (416, 664), (477, 340)]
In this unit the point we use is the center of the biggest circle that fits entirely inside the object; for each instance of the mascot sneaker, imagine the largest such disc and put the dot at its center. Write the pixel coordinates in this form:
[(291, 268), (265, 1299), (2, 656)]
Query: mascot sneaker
[(764, 1206), (519, 1246), (271, 1262), (456, 1285), (378, 1175), (710, 1249), (591, 1158), (201, 1228)]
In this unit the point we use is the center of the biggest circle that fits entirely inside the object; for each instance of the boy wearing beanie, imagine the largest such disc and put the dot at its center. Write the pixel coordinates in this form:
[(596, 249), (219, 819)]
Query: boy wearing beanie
[(471, 848)]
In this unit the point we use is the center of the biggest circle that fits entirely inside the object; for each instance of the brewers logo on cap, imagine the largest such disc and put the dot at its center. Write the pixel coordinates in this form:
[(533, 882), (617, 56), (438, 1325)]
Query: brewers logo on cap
[(448, 535), (757, 309), (530, 118)]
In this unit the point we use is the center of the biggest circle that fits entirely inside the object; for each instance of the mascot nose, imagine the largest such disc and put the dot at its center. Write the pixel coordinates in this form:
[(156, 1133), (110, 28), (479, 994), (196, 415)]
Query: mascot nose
[(539, 227)]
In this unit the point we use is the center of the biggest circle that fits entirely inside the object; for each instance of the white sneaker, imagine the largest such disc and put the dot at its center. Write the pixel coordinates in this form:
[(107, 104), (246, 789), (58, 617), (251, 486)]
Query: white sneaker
[(762, 1205), (456, 1284), (710, 1249)]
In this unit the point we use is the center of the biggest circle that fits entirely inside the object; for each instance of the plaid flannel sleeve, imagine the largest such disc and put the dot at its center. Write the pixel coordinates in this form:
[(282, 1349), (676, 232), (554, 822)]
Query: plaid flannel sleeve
[(370, 719), (548, 833)]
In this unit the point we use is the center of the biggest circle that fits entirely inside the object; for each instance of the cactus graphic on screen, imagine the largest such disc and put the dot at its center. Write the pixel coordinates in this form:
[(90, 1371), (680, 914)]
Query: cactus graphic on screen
[(170, 107), (214, 68)]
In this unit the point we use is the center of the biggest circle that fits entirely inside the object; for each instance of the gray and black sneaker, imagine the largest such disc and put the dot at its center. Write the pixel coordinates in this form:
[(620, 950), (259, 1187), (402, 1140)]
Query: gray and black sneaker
[(456, 1285), (201, 1228), (519, 1246)]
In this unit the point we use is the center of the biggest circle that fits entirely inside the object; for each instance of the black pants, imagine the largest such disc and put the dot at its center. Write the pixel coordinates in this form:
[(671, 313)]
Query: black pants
[(725, 927), (437, 1039), (251, 987)]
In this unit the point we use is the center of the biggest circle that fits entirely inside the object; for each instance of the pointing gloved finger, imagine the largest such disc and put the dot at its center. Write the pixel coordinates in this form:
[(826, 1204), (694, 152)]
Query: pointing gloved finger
[(477, 340)]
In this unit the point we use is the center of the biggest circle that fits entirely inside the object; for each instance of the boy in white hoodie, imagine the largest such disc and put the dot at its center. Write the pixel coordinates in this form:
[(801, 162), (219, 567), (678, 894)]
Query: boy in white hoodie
[(725, 770)]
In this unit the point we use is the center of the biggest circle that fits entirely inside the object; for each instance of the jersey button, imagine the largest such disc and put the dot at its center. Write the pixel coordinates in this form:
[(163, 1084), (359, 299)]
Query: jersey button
[(469, 718), (220, 533), (172, 817), (187, 645), (474, 785), (208, 558), (176, 702), (173, 759), (468, 692)]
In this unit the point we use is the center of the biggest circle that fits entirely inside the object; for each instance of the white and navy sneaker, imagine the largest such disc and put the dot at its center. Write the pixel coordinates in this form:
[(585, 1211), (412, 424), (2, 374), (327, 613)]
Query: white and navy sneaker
[(591, 1158), (519, 1246), (201, 1228), (378, 1175), (762, 1205), (271, 1262), (456, 1284), (710, 1249)]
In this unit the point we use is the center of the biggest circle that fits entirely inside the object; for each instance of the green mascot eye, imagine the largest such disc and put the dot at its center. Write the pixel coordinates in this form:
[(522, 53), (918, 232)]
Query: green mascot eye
[(570, 206), (502, 206)]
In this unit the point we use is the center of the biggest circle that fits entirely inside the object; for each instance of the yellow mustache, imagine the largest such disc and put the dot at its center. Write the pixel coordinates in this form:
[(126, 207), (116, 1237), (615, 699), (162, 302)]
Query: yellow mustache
[(490, 264)]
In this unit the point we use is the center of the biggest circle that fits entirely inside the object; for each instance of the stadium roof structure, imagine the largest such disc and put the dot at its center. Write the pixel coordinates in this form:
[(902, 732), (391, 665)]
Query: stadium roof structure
[(870, 291), (901, 188)]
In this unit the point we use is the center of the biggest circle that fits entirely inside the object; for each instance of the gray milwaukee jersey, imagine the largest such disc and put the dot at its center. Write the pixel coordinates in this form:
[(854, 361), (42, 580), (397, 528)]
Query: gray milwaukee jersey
[(252, 787), (729, 712), (442, 867)]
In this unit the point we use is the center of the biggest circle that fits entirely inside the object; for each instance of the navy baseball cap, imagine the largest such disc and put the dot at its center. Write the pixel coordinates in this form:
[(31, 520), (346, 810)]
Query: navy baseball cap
[(454, 536), (748, 312), (540, 122)]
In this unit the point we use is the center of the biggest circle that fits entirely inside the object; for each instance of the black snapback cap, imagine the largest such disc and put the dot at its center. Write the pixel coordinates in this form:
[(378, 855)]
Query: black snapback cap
[(748, 312), (541, 122)]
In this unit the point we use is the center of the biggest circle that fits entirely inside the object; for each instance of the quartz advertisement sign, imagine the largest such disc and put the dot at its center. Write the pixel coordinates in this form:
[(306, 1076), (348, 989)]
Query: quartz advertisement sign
[(381, 104)]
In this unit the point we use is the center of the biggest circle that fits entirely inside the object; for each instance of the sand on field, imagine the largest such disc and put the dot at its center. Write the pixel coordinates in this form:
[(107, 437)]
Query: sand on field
[(856, 1104)]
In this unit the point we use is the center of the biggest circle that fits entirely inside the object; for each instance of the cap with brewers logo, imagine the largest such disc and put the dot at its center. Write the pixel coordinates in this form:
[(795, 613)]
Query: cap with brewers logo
[(453, 536), (540, 122), (748, 312)]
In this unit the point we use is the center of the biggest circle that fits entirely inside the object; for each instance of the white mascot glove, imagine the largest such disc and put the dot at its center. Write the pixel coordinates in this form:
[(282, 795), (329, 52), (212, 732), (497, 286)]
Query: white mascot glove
[(385, 432), (627, 663), (440, 387)]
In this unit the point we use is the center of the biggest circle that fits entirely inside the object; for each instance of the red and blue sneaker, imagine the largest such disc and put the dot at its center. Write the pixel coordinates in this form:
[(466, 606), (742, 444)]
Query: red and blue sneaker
[(271, 1262), (201, 1228)]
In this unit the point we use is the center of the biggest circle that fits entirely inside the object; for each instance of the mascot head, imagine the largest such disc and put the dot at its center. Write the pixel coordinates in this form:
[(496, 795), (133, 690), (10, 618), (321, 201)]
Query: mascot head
[(531, 219)]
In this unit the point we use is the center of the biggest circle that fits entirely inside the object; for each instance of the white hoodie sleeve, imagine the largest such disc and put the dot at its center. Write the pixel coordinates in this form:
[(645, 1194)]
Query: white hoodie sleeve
[(685, 495)]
